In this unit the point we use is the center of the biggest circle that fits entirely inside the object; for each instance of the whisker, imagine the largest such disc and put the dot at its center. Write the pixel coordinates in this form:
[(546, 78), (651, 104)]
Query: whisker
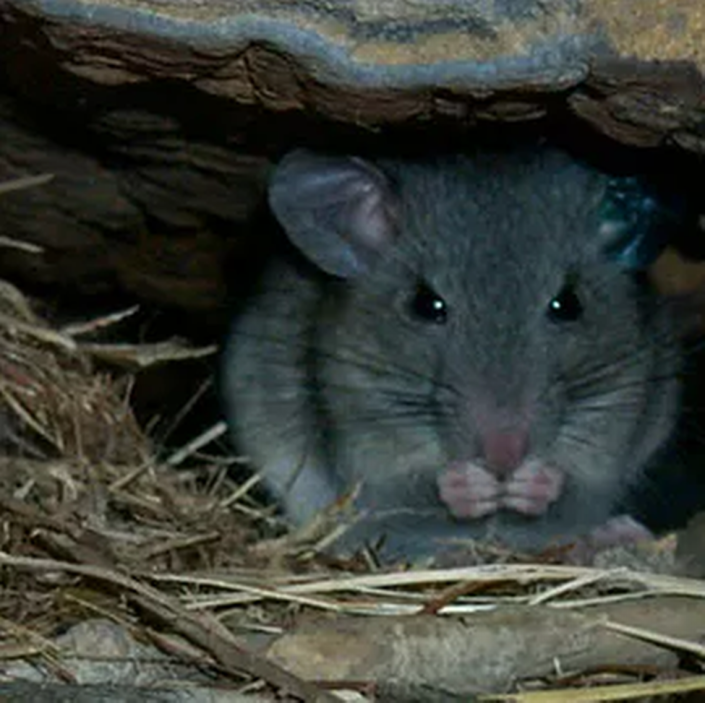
[(361, 359)]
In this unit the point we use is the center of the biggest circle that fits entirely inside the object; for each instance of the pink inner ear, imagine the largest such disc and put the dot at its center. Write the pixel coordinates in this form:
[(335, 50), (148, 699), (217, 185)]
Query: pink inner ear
[(337, 210), (372, 222)]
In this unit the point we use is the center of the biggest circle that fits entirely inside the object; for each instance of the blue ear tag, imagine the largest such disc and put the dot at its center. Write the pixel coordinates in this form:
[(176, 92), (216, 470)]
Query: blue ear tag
[(637, 223)]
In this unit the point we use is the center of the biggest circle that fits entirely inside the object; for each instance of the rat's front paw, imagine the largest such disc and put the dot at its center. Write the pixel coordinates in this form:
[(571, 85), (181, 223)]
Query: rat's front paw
[(469, 491), (532, 488), (620, 530)]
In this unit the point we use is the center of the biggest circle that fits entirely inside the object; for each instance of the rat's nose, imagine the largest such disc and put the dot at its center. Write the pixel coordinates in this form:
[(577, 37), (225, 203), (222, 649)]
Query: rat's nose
[(504, 451)]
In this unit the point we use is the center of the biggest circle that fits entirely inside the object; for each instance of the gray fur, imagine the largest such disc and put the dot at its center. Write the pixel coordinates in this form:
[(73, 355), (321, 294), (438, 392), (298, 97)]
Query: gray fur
[(331, 383)]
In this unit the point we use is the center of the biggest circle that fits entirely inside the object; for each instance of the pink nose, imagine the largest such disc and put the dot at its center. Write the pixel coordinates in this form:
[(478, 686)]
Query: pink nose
[(504, 451)]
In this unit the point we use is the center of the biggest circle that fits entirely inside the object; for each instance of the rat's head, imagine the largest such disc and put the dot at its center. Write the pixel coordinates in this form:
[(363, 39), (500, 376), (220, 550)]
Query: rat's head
[(491, 298)]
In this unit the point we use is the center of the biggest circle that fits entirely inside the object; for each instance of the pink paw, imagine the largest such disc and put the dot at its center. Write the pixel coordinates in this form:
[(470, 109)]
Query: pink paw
[(619, 530), (532, 488), (469, 491)]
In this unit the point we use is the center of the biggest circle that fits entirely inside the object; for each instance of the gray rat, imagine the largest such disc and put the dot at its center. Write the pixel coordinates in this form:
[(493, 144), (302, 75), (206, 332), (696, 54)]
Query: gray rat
[(463, 342)]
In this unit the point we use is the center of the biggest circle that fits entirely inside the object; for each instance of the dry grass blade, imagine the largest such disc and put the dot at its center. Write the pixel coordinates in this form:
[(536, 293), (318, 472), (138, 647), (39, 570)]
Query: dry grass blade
[(38, 332), (25, 182), (390, 594), (675, 643), (22, 184), (29, 420), (212, 433), (136, 357), (52, 402), (575, 585), (523, 574), (266, 594), (614, 692), (79, 328), (242, 490), (31, 642), (10, 243), (14, 303)]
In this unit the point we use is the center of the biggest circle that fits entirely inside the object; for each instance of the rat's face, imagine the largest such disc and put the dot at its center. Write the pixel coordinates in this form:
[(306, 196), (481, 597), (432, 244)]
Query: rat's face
[(479, 305)]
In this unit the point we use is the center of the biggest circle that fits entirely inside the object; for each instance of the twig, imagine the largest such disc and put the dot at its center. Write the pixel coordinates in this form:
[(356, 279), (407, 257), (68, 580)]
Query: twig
[(217, 640), (204, 631)]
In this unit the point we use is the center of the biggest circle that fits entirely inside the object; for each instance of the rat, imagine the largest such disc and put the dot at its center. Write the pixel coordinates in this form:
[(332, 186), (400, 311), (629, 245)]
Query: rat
[(464, 343)]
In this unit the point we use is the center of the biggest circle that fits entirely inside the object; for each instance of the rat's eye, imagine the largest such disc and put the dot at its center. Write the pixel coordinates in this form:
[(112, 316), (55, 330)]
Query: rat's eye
[(428, 306), (566, 306)]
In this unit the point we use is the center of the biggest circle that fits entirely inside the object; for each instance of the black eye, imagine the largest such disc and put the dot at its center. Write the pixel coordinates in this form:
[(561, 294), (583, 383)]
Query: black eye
[(427, 305), (566, 306)]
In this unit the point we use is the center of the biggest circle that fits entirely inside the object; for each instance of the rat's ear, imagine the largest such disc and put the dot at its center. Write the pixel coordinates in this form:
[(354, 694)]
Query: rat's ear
[(339, 211), (637, 222)]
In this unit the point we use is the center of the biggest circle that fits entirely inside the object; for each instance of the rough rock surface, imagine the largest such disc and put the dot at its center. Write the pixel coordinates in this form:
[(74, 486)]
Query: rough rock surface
[(102, 663)]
